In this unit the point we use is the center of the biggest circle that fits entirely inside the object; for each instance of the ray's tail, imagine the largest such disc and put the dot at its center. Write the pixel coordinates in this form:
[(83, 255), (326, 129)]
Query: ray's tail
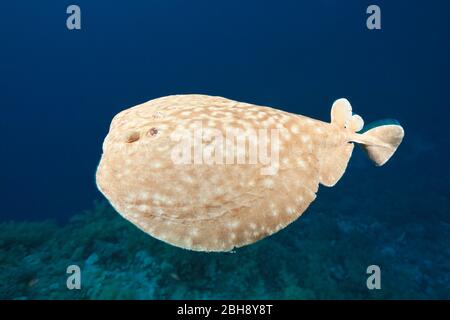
[(379, 139)]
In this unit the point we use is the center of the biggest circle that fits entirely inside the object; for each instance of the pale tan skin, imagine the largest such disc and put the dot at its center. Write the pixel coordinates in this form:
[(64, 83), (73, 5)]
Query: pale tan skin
[(218, 207)]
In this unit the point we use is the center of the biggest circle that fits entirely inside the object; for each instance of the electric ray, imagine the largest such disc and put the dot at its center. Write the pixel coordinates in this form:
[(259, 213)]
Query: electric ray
[(199, 172)]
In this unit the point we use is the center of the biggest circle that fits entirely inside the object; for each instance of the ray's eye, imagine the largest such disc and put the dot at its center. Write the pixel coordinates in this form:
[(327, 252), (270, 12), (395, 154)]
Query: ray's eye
[(152, 132), (132, 137)]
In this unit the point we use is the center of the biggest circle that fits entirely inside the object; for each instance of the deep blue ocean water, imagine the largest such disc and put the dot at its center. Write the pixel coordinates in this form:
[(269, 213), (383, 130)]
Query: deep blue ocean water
[(60, 88)]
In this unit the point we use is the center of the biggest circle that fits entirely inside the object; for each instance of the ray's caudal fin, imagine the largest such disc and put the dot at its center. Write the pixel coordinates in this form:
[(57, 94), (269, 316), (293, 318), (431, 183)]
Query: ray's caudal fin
[(379, 140)]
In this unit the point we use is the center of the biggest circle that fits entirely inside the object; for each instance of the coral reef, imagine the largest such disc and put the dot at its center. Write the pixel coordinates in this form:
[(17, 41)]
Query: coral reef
[(323, 255)]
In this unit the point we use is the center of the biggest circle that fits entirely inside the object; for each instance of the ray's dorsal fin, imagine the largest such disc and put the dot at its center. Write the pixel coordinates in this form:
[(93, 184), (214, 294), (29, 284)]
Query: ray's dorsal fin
[(342, 116), (335, 159), (341, 112), (356, 123)]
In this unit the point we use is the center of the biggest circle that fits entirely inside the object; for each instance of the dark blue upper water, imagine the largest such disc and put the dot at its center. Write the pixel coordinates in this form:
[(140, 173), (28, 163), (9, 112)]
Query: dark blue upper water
[(60, 88)]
